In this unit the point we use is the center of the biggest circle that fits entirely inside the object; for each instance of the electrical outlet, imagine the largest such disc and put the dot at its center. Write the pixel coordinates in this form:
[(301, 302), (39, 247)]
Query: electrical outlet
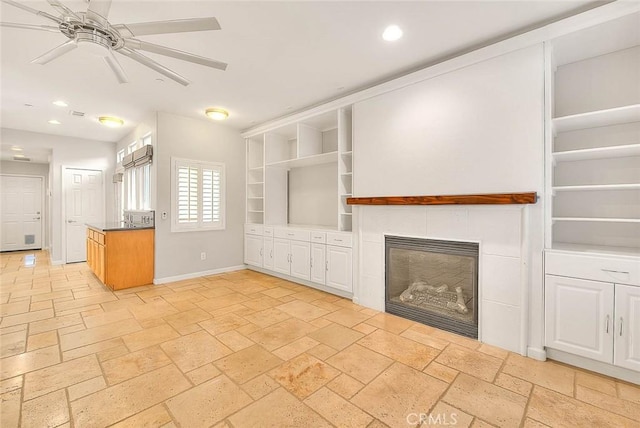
[(164, 215), (203, 256)]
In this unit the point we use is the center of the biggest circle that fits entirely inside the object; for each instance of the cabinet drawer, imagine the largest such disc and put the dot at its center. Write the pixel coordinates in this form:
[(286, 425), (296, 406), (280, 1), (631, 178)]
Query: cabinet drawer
[(294, 234), (253, 229), (267, 231), (597, 268), (340, 239), (318, 237), (99, 237)]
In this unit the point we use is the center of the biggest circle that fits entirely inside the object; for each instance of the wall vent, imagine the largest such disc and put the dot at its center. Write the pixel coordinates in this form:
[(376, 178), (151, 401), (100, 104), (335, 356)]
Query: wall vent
[(76, 113), (23, 159)]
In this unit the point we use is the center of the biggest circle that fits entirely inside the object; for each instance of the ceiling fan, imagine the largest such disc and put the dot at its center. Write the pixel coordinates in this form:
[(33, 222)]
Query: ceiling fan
[(92, 32)]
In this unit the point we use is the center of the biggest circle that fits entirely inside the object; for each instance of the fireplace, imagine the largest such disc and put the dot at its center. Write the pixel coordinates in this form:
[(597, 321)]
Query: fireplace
[(434, 282)]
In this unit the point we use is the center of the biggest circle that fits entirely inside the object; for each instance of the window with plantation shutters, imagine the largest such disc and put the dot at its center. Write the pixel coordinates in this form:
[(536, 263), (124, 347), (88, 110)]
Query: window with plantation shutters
[(198, 195)]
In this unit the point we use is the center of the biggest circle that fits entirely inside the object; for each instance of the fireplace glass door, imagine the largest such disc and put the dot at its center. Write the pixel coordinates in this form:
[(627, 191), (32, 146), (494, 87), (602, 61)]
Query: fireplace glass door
[(434, 282)]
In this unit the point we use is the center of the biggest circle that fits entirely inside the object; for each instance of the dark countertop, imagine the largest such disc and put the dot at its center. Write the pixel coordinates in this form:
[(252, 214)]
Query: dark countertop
[(115, 226)]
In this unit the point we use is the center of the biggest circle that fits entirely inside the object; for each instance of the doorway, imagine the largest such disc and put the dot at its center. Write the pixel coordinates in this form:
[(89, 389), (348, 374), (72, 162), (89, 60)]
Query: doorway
[(21, 216), (83, 203)]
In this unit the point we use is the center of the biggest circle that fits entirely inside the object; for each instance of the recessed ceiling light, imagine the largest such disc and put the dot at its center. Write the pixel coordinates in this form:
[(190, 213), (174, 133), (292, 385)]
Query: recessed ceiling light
[(16, 149), (110, 121), (392, 33), (18, 156), (54, 122), (217, 113), (60, 103)]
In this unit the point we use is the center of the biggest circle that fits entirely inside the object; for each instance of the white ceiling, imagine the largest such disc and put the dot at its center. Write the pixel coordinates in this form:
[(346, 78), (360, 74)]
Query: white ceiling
[(282, 56)]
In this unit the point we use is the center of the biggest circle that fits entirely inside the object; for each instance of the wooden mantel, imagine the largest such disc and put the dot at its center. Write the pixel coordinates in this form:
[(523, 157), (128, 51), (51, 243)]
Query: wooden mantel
[(481, 199)]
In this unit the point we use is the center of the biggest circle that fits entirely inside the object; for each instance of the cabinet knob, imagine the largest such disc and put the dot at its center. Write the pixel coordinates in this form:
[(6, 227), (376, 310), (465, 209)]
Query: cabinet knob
[(621, 321)]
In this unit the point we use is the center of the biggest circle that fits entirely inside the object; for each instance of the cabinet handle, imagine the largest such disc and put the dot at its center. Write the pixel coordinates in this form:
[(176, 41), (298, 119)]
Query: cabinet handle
[(311, 262), (271, 254), (326, 265), (261, 251), (607, 325), (289, 234), (338, 240), (615, 271), (621, 320)]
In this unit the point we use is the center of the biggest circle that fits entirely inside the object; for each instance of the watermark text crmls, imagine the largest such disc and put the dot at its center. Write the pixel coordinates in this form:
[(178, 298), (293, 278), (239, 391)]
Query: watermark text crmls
[(440, 419)]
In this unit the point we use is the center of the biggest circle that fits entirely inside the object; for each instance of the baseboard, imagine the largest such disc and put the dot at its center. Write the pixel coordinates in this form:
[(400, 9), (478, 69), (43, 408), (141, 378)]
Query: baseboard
[(167, 279), (537, 354), (55, 262), (595, 366)]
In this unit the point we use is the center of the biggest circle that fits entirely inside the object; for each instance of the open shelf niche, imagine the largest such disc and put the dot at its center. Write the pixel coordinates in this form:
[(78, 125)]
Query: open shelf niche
[(305, 169), (593, 174)]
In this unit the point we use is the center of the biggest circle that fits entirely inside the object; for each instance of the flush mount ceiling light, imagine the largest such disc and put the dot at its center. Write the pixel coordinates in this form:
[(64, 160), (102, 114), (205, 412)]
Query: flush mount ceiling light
[(110, 121), (392, 33), (16, 148), (53, 122), (60, 103), (217, 113)]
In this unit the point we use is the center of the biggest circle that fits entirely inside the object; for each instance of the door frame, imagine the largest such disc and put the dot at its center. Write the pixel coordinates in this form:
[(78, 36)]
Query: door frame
[(44, 214), (63, 205)]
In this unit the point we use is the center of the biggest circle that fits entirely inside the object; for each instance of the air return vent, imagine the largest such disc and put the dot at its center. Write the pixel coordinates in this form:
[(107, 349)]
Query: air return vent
[(76, 113), (21, 158)]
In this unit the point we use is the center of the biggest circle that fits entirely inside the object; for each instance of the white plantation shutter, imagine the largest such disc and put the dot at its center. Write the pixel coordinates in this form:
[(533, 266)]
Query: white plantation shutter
[(198, 203)]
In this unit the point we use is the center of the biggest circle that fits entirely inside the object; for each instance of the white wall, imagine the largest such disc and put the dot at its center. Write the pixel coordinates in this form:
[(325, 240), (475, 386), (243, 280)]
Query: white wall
[(478, 129), (178, 253), (37, 169), (66, 152)]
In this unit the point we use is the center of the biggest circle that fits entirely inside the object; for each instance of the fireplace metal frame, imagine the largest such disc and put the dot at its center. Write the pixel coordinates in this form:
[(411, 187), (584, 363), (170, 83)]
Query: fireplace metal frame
[(462, 248)]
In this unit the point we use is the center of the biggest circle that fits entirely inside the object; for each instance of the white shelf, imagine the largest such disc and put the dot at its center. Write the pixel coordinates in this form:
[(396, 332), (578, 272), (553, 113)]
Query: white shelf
[(258, 168), (597, 219), (347, 174), (306, 161), (255, 211), (256, 183), (631, 186), (349, 153), (346, 195), (598, 153), (347, 214), (255, 197), (595, 249), (594, 119)]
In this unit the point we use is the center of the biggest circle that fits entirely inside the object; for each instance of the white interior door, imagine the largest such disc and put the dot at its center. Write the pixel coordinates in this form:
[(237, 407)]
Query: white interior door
[(84, 201), (20, 213)]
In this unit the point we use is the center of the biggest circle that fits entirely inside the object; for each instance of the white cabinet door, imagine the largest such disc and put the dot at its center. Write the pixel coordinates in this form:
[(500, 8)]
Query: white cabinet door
[(318, 266), (301, 259), (281, 256), (627, 327), (579, 317), (253, 250), (339, 265), (267, 254)]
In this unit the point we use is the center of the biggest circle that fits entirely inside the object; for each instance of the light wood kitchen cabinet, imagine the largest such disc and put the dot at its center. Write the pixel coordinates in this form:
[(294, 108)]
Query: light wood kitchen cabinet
[(121, 258)]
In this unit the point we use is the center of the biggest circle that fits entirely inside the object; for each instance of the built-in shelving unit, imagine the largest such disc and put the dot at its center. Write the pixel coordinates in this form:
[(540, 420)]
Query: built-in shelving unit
[(593, 169), (291, 169)]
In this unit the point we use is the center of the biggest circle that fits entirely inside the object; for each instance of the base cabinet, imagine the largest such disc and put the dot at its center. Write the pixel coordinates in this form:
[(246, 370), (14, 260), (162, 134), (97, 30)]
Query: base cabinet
[(320, 257), (121, 258), (594, 319)]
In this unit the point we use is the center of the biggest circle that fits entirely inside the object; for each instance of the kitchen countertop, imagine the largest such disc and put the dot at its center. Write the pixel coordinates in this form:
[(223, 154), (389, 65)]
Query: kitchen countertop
[(118, 225)]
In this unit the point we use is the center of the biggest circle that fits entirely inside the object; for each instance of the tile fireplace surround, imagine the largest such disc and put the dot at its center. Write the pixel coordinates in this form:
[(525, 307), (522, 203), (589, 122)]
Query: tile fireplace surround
[(503, 233)]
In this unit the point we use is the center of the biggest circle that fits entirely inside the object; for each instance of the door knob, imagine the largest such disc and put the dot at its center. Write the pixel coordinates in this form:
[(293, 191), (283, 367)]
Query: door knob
[(37, 218), (71, 221)]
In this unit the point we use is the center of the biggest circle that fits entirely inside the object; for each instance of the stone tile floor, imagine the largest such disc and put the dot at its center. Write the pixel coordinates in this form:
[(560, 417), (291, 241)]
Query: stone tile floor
[(249, 350)]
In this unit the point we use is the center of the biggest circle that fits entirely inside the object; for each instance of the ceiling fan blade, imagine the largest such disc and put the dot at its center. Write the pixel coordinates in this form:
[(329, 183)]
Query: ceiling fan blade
[(55, 52), (30, 27), (136, 56), (115, 66), (163, 27), (174, 53), (33, 11), (63, 10), (99, 10)]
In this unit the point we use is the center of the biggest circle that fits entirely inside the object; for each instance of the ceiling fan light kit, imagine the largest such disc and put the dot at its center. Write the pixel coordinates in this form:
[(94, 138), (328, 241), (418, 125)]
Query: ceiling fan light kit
[(217, 113), (91, 32), (110, 121)]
